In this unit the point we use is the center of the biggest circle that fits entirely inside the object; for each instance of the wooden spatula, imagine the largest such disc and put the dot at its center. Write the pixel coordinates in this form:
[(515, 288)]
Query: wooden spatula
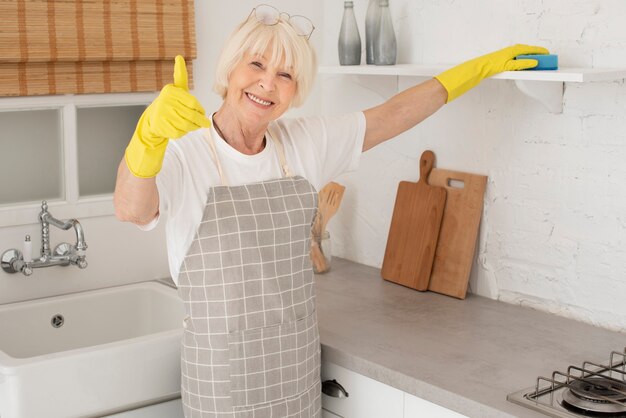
[(328, 202), (414, 230), (329, 199), (317, 258)]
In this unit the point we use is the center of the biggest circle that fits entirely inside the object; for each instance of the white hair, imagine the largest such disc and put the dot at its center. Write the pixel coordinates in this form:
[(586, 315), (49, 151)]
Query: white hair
[(288, 49)]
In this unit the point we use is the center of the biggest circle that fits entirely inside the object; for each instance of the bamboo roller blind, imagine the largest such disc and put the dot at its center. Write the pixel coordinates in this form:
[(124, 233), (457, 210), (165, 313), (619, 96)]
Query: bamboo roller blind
[(92, 46)]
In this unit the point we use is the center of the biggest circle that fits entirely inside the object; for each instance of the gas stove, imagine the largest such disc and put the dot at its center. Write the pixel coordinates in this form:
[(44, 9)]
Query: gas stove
[(588, 390)]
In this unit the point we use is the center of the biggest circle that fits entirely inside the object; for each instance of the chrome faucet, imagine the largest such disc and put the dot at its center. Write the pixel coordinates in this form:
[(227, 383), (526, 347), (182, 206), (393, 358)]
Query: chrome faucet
[(64, 254)]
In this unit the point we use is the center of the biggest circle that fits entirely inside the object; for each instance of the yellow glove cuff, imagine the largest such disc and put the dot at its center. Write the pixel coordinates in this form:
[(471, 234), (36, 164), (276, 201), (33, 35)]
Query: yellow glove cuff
[(458, 82), (144, 160)]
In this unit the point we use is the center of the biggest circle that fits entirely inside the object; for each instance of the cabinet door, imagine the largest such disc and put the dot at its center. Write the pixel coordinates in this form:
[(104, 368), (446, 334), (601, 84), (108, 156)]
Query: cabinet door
[(169, 409), (367, 398), (328, 414), (415, 407)]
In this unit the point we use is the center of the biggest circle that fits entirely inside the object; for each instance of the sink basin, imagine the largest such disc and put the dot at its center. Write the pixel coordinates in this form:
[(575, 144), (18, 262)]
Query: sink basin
[(90, 353)]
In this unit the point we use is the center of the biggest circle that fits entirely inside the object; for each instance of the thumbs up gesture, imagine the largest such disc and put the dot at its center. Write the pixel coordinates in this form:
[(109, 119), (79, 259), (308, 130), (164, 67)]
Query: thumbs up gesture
[(171, 115)]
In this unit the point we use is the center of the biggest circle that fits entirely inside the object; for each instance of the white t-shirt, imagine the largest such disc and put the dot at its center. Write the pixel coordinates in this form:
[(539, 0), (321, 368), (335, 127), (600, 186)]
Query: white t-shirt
[(316, 148)]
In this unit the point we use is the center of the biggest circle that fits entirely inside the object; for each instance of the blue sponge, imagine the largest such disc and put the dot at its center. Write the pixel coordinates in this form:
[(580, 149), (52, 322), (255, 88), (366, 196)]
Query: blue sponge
[(546, 61)]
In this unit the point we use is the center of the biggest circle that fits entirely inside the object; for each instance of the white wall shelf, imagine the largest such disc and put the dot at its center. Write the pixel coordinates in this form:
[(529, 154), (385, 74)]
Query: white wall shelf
[(544, 86)]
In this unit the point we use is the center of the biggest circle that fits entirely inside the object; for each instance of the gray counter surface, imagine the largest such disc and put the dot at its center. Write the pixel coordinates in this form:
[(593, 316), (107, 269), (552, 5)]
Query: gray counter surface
[(465, 355)]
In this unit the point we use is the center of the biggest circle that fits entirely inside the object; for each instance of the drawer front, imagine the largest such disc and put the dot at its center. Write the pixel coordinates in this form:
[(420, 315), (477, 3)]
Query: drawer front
[(367, 398), (415, 407), (169, 409), (328, 414)]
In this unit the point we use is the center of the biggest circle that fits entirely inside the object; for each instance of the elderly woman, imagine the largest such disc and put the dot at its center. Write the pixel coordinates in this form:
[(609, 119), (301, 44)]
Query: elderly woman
[(238, 188)]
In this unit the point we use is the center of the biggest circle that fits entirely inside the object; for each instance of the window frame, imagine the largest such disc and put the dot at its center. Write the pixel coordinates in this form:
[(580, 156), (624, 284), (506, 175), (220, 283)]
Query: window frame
[(72, 205)]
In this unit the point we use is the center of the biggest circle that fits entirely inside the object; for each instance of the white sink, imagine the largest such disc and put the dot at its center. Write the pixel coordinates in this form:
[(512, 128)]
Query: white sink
[(117, 348)]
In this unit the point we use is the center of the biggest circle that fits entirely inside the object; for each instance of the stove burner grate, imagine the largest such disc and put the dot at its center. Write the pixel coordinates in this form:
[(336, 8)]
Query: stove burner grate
[(588, 390), (600, 395)]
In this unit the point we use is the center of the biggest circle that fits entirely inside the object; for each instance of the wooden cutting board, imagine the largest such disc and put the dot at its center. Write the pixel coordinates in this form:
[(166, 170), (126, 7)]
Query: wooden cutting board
[(414, 230), (459, 230)]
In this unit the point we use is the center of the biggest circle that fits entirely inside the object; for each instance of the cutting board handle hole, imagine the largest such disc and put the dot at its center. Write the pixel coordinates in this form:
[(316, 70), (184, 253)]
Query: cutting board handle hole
[(456, 184)]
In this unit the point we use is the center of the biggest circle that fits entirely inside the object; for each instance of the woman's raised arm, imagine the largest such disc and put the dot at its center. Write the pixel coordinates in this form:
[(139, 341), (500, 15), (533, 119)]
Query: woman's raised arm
[(171, 115), (409, 107)]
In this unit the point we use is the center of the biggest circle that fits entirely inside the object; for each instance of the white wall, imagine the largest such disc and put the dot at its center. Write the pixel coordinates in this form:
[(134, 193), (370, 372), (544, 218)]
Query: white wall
[(553, 229), (553, 233), (118, 253)]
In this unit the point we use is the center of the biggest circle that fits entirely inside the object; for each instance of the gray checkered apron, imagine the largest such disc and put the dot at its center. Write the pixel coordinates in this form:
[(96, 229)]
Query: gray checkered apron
[(251, 345)]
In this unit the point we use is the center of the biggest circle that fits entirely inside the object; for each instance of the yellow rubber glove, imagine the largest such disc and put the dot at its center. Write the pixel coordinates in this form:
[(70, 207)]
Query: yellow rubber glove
[(457, 80), (171, 115)]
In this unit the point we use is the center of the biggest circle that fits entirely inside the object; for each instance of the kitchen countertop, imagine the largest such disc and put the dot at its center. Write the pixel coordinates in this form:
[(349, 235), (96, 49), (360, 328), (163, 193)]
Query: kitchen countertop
[(465, 355)]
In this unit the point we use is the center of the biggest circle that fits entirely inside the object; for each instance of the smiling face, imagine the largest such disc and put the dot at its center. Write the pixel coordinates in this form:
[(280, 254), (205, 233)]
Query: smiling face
[(260, 91)]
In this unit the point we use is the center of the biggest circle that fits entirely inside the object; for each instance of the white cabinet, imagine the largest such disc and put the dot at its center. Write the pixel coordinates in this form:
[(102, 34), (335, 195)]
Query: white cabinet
[(368, 398), (328, 414), (169, 409), (415, 407)]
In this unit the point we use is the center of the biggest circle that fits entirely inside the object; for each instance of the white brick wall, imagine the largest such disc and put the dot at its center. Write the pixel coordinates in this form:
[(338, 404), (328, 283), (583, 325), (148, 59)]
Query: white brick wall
[(553, 233)]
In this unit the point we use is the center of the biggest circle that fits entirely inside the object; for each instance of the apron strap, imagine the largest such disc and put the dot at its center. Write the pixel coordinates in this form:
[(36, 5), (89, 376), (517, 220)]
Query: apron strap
[(209, 140), (277, 143), (281, 153)]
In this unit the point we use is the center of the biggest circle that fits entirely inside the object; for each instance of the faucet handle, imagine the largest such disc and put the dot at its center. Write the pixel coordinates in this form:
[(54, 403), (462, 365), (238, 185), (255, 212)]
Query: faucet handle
[(81, 263), (13, 262), (63, 249)]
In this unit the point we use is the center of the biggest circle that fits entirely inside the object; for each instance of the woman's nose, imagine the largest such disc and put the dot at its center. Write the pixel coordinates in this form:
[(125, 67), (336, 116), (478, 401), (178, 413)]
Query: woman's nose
[(267, 82)]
